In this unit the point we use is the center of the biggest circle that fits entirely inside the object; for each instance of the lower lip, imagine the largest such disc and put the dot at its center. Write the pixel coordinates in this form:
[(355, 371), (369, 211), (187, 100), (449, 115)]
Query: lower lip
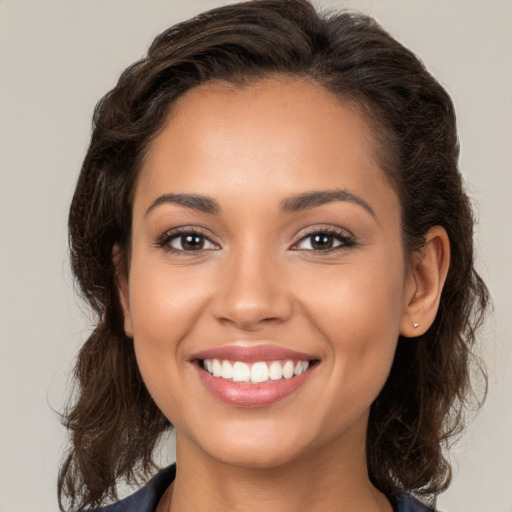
[(243, 394)]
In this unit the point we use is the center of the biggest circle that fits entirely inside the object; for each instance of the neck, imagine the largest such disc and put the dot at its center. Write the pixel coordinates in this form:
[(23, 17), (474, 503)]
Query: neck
[(333, 477)]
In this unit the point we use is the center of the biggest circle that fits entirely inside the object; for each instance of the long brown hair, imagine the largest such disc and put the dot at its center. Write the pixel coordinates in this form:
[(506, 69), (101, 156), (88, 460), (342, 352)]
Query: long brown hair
[(113, 422)]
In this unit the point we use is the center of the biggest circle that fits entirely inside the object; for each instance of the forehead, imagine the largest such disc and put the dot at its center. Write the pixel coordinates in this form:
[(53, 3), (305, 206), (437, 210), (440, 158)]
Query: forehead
[(276, 135)]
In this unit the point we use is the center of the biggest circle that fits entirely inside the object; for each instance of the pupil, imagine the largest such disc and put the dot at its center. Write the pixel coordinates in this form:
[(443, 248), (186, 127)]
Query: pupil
[(192, 242), (322, 241)]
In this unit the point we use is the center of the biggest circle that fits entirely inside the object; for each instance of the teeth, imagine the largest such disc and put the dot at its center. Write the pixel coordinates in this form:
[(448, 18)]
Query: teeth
[(275, 371), (216, 368), (241, 372), (227, 370), (288, 370), (300, 367), (261, 371)]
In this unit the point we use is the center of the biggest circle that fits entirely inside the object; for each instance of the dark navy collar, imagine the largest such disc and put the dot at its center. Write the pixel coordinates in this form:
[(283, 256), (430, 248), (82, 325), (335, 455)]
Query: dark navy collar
[(406, 503), (146, 499)]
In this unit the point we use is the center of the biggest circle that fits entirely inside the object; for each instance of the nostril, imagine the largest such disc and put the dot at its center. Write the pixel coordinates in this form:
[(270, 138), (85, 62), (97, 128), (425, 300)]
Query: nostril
[(250, 316)]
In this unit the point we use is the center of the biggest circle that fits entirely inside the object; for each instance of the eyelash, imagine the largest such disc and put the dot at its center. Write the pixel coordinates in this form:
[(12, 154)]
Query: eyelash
[(346, 240), (166, 238)]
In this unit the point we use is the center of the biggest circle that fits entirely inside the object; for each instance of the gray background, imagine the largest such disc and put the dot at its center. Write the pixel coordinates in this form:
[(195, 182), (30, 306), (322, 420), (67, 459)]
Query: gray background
[(58, 57)]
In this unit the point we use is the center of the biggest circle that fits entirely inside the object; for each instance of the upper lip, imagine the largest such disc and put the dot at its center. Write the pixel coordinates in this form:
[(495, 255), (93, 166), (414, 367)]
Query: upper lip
[(252, 353)]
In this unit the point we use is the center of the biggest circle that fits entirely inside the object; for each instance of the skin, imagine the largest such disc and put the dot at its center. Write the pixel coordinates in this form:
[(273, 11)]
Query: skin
[(258, 279)]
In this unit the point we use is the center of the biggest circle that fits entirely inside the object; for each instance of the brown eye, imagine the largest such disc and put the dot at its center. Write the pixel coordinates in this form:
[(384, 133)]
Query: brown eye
[(186, 241), (192, 242), (325, 240), (322, 241)]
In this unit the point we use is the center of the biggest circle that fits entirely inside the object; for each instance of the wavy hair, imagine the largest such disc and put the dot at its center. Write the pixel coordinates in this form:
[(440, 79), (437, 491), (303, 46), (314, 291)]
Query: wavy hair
[(113, 423)]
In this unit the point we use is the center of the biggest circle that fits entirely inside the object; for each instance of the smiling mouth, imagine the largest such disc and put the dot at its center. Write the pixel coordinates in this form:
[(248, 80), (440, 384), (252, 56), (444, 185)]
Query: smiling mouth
[(257, 372)]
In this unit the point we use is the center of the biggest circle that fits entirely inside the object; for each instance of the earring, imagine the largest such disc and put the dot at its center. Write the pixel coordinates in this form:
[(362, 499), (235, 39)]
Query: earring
[(415, 325)]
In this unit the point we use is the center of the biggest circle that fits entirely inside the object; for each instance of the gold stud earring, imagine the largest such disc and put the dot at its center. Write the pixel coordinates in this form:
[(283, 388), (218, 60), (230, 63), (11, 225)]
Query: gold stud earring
[(415, 325)]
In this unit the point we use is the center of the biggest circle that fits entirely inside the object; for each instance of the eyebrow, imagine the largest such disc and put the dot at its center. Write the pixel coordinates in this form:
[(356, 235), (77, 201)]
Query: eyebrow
[(317, 198), (293, 204), (194, 202)]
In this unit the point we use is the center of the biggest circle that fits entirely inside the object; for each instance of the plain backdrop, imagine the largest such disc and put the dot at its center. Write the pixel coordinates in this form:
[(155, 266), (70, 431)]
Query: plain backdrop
[(57, 58)]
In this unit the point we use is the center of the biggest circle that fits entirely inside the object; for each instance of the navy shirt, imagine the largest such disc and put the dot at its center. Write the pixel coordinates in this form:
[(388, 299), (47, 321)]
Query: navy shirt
[(147, 498)]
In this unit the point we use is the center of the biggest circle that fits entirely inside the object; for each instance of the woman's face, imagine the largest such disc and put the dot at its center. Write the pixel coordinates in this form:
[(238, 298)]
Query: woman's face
[(264, 231)]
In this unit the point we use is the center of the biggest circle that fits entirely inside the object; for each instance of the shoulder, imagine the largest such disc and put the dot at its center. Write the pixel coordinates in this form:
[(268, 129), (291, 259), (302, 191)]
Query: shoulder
[(145, 499), (406, 503)]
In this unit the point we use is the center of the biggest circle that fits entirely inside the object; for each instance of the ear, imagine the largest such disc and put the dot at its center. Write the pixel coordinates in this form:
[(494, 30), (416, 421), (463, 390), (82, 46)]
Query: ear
[(425, 283), (122, 288)]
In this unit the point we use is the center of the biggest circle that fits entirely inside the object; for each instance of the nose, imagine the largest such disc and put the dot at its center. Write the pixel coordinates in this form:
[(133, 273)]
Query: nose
[(252, 292)]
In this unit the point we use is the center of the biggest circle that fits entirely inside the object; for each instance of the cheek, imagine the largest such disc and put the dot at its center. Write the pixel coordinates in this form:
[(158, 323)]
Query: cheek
[(359, 312), (355, 299), (163, 304), (164, 309)]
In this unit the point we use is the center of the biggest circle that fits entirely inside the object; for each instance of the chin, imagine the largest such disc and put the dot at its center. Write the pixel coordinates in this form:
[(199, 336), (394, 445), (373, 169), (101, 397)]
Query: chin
[(262, 448), (252, 456)]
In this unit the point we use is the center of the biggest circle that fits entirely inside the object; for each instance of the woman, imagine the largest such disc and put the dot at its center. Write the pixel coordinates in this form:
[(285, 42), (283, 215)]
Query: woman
[(272, 230)]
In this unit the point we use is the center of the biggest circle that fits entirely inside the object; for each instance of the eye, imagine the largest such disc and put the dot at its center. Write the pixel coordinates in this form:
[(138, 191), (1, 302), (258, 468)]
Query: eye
[(325, 240), (186, 240)]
